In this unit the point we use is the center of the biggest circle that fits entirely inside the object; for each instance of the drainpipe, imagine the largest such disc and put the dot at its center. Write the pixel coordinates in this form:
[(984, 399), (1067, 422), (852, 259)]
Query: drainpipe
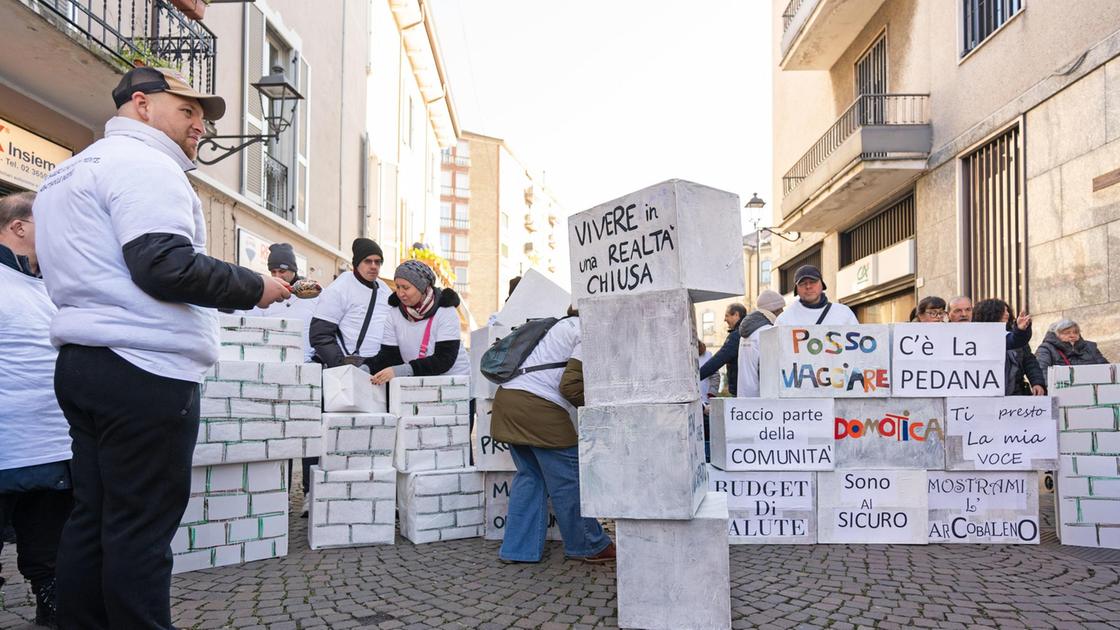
[(363, 188)]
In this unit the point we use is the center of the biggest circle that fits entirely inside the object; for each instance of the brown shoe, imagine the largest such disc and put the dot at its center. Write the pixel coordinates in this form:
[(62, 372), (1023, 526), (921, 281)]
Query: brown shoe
[(606, 555)]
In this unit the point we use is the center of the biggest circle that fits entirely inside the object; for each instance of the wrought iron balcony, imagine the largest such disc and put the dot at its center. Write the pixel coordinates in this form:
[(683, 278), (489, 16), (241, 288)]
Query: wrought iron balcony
[(151, 32), (457, 224), (868, 110), (276, 189)]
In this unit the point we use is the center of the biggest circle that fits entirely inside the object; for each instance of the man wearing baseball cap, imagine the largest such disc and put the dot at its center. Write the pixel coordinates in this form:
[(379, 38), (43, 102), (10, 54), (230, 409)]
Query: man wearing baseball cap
[(812, 305), (136, 332)]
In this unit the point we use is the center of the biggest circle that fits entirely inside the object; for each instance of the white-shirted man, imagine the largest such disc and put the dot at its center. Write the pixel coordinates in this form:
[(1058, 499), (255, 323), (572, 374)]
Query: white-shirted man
[(349, 319), (812, 305), (136, 332)]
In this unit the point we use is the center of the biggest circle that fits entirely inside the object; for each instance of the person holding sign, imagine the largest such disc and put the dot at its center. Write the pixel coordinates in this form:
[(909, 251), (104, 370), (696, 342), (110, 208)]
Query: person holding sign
[(812, 305), (1020, 362), (422, 331), (1064, 345)]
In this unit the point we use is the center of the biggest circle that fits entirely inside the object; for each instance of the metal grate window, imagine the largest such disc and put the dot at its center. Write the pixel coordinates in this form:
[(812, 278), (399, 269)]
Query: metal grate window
[(995, 221), (788, 270), (983, 17), (893, 225)]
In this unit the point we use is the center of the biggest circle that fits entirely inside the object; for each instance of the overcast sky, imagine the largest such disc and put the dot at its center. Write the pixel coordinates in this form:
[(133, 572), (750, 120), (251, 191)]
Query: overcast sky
[(609, 96)]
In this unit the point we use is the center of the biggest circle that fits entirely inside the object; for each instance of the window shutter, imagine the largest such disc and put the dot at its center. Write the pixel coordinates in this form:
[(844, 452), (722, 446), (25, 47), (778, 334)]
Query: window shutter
[(303, 163), (253, 157)]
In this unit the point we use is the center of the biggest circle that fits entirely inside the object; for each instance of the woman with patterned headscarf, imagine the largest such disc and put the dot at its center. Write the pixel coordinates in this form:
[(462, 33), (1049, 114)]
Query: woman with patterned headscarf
[(422, 335)]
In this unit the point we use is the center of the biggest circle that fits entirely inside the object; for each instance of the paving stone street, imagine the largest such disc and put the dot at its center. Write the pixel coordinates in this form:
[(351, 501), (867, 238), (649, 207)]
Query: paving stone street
[(461, 584)]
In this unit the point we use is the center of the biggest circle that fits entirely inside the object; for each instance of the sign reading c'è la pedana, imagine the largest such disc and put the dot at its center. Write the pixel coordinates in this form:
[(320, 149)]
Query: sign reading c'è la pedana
[(26, 158)]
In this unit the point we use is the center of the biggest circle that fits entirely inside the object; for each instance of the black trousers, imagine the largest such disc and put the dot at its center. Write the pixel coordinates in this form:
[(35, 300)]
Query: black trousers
[(133, 438), (37, 516)]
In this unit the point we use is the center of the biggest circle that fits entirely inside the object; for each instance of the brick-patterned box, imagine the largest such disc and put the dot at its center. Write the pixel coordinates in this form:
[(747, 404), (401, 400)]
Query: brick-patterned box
[(253, 411), (440, 504), (432, 443), (352, 507), (358, 441), (496, 487), (237, 513), (1088, 502), (267, 339), (429, 396)]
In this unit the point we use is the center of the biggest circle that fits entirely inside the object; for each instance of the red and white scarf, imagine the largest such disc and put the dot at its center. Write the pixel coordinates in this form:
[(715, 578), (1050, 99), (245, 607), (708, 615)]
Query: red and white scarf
[(421, 310)]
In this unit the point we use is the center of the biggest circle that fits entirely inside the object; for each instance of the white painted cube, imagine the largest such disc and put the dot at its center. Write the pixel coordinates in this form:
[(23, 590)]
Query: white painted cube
[(432, 443), (675, 573), (873, 507), (768, 507), (489, 454), (983, 507), (825, 361), (496, 487), (890, 433), (772, 434), (348, 389), (673, 235), (652, 360), (961, 360), (440, 504), (1001, 433), (349, 508), (642, 461)]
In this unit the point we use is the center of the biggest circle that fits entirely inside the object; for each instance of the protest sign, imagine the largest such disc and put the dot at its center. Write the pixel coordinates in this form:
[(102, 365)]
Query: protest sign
[(495, 488), (872, 506), (1006, 433), (825, 361), (769, 434), (673, 235), (964, 359), (488, 453), (768, 507), (890, 433), (983, 507)]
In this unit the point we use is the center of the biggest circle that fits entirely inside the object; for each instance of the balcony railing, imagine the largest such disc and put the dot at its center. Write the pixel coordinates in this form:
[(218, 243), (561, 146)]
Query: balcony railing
[(276, 188), (152, 31), (457, 224), (867, 110), (459, 255), (790, 12), (449, 191), (457, 160)]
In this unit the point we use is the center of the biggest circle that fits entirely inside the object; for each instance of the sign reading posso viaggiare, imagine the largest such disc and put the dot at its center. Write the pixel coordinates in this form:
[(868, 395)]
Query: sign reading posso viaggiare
[(960, 360), (825, 361), (772, 434), (1006, 433), (983, 507)]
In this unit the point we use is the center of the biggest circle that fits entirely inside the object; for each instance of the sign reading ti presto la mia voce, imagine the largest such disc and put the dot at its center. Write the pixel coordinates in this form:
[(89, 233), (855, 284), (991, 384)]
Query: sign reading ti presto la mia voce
[(825, 361), (1004, 433), (25, 158), (673, 235), (956, 360)]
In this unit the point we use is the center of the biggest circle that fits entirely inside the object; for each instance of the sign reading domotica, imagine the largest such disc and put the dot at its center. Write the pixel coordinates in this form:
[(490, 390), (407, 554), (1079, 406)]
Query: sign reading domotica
[(825, 361)]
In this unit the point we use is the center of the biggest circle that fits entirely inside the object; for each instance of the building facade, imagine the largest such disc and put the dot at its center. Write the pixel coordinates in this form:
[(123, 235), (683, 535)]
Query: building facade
[(940, 148), (359, 152), (498, 220)]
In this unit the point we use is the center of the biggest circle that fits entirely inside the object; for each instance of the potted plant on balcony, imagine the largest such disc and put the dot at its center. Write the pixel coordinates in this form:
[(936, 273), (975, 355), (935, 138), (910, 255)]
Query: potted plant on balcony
[(193, 9)]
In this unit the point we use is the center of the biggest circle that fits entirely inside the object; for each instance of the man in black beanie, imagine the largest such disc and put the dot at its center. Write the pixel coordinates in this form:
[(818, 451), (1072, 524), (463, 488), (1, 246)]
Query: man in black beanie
[(350, 317), (282, 262)]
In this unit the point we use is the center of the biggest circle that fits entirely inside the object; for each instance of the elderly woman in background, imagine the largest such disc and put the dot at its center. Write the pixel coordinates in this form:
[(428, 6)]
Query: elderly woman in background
[(1064, 345)]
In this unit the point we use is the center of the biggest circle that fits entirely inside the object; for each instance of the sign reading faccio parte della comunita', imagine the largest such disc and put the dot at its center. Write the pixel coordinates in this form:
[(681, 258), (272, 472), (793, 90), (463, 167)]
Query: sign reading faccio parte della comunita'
[(761, 434), (954, 360), (825, 362)]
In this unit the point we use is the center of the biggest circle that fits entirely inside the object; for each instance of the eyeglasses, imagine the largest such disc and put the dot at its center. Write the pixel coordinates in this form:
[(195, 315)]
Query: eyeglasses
[(934, 313)]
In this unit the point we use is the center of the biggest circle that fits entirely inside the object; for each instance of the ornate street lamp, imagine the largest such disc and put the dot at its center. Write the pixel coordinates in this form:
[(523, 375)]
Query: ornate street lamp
[(282, 100)]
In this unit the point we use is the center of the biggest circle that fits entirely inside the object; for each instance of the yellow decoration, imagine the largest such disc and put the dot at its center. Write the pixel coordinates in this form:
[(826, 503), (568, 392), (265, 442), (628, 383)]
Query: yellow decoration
[(439, 264)]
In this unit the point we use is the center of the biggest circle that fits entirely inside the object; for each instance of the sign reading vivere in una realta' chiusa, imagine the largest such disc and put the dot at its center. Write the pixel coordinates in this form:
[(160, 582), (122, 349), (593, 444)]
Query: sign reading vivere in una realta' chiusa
[(825, 362)]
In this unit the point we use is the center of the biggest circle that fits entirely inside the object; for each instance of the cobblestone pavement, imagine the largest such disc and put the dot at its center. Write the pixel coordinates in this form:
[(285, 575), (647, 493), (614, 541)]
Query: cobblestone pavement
[(461, 584)]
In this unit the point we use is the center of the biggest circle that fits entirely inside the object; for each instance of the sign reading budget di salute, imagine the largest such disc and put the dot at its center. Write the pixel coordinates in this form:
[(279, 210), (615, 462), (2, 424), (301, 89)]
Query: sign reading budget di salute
[(1012, 433), (762, 434), (957, 360), (825, 361)]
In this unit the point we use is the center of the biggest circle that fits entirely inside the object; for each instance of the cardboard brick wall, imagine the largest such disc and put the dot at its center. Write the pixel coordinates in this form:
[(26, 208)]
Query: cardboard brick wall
[(429, 396), (264, 339), (363, 441), (440, 504), (352, 507), (237, 513)]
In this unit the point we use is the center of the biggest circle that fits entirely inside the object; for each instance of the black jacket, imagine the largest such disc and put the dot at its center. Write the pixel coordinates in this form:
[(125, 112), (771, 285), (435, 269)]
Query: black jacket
[(1021, 364), (325, 337), (166, 267), (728, 355), (444, 353), (1051, 351)]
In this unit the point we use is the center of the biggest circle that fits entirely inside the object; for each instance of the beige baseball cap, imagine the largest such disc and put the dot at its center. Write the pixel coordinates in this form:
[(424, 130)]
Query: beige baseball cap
[(148, 80)]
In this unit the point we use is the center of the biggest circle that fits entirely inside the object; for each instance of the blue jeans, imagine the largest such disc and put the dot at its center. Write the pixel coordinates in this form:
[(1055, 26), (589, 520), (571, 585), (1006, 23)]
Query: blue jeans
[(543, 473)]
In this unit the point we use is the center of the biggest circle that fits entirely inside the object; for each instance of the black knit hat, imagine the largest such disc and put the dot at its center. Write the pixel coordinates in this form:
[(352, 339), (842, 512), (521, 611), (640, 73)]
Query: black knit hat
[(808, 271), (364, 247), (281, 256)]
